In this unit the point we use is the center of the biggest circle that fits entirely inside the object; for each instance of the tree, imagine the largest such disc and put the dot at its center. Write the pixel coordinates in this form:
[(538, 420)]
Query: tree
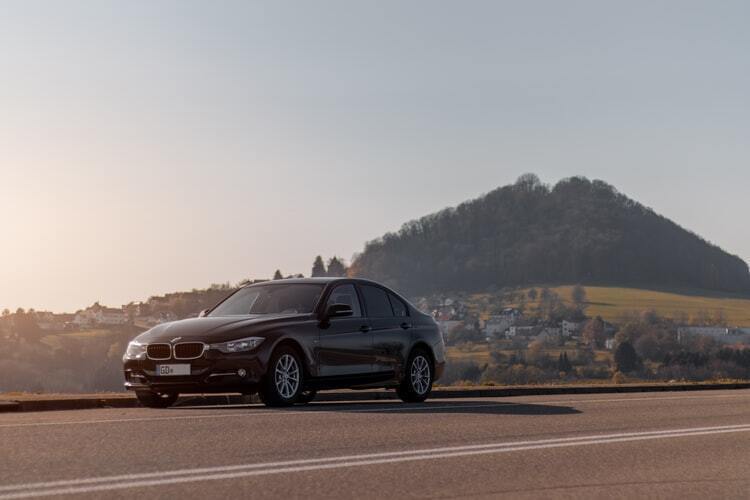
[(277, 275), (319, 268), (26, 326), (626, 358), (593, 332), (647, 347), (579, 297), (336, 267), (563, 364)]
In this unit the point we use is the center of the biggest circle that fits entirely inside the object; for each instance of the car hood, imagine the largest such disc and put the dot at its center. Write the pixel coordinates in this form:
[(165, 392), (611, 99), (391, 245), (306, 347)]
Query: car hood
[(217, 329)]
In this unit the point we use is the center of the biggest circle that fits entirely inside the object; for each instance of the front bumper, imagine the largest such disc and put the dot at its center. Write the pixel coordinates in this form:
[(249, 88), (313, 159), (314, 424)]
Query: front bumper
[(211, 373)]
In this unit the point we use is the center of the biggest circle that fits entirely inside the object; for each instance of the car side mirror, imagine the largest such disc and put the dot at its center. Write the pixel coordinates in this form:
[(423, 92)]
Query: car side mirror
[(338, 311), (203, 313)]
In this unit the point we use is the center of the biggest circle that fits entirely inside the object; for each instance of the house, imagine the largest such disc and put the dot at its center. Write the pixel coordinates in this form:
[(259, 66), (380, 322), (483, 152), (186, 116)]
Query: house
[(609, 344), (715, 332), (444, 314), (111, 316), (497, 325), (549, 333), (522, 331), (86, 317), (570, 329), (98, 314), (46, 321), (447, 326)]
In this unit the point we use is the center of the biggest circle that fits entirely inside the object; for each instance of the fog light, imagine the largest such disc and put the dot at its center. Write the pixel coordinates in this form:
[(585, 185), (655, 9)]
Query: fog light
[(241, 372)]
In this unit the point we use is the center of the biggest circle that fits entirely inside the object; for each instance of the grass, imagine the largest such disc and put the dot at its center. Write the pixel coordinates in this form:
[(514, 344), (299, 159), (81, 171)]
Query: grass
[(612, 303), (478, 353)]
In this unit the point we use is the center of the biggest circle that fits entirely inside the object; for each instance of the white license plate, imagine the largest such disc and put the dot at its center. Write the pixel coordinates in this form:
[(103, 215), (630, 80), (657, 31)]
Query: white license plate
[(172, 370)]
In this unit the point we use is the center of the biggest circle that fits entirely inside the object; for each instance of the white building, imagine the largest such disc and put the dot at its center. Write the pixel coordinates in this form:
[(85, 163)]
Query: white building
[(100, 315), (521, 331), (46, 320), (551, 331), (109, 316), (84, 318), (706, 331), (570, 328), (497, 325)]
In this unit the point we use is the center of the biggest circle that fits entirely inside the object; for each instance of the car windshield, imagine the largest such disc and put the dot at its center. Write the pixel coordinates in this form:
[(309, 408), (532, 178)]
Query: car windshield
[(296, 298)]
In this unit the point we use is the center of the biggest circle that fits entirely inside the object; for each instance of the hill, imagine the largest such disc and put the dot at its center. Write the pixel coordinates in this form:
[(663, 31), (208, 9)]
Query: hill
[(578, 231)]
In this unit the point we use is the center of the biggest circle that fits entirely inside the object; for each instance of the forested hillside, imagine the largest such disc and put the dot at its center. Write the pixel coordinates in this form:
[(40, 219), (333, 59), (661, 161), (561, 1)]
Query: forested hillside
[(578, 231)]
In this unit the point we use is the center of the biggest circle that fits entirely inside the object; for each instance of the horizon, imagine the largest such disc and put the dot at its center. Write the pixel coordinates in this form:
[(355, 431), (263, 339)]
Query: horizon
[(237, 282), (155, 148)]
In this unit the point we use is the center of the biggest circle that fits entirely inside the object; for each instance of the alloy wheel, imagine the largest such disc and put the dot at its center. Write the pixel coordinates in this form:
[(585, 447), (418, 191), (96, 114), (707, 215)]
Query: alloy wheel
[(286, 376), (420, 374)]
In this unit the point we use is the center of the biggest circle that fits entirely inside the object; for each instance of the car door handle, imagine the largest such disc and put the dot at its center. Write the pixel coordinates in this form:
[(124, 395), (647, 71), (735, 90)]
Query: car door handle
[(405, 325), (364, 328)]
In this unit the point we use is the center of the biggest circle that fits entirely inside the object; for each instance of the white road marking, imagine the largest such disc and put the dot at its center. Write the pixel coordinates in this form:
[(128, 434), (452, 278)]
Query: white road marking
[(88, 485), (355, 407)]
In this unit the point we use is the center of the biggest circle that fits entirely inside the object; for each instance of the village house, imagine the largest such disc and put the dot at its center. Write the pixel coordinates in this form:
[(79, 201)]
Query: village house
[(522, 331), (111, 316), (99, 315), (570, 329), (720, 334), (45, 320), (707, 331)]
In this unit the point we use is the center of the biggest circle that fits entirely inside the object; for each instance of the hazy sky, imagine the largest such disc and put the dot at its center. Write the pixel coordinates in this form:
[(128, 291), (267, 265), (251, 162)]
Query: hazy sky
[(148, 147)]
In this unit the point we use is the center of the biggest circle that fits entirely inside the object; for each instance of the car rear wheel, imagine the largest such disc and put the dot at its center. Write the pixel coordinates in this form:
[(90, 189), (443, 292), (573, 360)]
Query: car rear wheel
[(156, 399), (282, 385), (417, 382)]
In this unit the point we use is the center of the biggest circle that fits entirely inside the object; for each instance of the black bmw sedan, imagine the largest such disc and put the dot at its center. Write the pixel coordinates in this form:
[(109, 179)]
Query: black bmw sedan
[(287, 339)]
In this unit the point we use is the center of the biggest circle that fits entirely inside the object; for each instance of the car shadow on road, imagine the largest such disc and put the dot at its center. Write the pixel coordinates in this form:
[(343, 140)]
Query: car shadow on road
[(429, 407), (450, 407)]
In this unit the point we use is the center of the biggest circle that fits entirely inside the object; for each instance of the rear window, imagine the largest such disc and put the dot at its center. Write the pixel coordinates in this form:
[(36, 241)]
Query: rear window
[(376, 301), (399, 308)]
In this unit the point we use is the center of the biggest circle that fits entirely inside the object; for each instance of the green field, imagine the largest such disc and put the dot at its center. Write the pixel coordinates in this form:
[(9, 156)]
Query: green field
[(612, 303)]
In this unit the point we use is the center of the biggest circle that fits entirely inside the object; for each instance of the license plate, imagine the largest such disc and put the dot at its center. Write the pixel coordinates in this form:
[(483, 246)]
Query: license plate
[(172, 370)]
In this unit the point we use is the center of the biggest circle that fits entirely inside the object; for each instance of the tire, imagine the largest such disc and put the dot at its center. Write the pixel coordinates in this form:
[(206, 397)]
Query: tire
[(282, 385), (155, 399), (417, 382)]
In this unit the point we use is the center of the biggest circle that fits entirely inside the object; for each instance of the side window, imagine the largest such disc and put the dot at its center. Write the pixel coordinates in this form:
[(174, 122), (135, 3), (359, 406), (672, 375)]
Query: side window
[(346, 294), (399, 308), (376, 300)]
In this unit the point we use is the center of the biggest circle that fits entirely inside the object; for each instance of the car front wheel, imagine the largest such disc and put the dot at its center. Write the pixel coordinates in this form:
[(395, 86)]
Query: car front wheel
[(417, 382), (282, 385)]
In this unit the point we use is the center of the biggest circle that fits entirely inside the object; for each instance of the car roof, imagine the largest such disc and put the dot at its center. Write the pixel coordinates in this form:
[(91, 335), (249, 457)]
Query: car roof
[(324, 280)]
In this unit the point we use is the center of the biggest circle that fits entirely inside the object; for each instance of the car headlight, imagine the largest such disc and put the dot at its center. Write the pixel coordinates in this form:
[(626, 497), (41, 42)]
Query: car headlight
[(240, 345), (135, 350)]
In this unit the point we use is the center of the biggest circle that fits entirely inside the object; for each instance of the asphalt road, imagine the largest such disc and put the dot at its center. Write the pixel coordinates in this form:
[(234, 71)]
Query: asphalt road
[(674, 445)]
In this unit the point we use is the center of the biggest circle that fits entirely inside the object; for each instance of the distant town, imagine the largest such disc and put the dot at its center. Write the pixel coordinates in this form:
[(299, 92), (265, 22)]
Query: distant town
[(532, 335)]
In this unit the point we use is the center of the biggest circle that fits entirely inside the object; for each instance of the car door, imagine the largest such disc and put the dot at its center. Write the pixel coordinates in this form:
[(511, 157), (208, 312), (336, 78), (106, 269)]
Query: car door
[(345, 346), (389, 320)]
